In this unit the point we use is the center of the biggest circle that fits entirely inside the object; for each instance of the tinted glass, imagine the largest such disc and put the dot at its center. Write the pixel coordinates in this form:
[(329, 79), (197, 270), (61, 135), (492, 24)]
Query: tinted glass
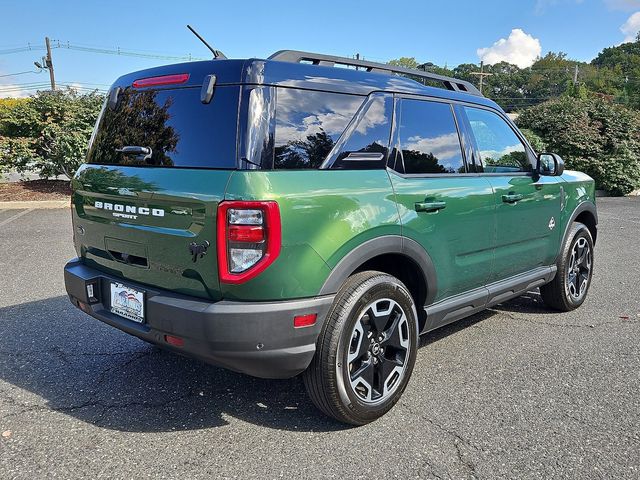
[(367, 142), (429, 138), (179, 129), (500, 148), (308, 124)]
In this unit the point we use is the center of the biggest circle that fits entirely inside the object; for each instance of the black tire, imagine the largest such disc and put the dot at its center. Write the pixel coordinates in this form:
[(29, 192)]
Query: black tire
[(569, 288), (350, 343)]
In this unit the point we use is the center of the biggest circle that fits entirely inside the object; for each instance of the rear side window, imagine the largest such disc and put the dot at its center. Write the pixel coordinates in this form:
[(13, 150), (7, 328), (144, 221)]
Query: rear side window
[(429, 141), (173, 124), (500, 148), (366, 143), (308, 124)]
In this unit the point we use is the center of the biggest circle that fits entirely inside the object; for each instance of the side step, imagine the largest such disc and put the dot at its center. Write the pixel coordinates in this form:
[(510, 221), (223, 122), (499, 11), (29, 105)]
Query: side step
[(455, 308)]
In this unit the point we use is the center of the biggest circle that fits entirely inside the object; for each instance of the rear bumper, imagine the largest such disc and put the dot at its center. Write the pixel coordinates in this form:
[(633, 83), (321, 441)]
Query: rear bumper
[(256, 338)]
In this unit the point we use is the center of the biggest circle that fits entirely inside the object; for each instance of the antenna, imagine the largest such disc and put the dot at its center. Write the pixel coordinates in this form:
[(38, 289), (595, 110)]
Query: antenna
[(216, 53)]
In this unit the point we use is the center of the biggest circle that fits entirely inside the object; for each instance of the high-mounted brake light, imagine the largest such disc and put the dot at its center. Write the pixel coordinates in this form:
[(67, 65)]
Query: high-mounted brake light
[(249, 239), (162, 80)]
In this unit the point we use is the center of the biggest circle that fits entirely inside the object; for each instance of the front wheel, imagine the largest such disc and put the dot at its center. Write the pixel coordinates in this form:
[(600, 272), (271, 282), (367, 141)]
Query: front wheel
[(569, 288), (366, 351)]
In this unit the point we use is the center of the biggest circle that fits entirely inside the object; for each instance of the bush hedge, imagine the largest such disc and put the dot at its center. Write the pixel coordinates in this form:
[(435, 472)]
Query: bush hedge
[(592, 135)]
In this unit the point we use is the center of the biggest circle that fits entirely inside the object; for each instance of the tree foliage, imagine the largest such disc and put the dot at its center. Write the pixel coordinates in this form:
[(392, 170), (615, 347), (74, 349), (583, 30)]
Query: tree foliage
[(48, 132), (592, 135)]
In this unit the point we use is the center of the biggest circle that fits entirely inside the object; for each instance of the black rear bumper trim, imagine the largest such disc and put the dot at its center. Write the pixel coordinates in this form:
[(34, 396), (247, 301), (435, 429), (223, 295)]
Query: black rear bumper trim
[(256, 338)]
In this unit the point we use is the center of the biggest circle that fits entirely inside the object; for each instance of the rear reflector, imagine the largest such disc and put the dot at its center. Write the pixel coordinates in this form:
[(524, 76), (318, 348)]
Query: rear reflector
[(163, 80), (175, 341), (305, 320)]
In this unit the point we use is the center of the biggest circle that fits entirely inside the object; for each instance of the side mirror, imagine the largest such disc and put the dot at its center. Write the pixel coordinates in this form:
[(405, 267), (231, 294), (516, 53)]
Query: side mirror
[(550, 164)]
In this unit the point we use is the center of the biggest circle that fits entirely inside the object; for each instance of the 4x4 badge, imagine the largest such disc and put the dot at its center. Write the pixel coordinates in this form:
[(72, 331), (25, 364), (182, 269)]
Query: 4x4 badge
[(552, 223), (198, 250)]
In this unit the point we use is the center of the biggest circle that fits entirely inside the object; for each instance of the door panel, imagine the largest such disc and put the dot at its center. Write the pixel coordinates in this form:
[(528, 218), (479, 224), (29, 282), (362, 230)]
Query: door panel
[(527, 207), (459, 237), (526, 232), (446, 210)]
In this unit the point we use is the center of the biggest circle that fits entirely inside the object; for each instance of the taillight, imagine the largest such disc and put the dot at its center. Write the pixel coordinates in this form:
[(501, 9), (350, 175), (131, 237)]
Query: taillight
[(174, 79), (249, 238)]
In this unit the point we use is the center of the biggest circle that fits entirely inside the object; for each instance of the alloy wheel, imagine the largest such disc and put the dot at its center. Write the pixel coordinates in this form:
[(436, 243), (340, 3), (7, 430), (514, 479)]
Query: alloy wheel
[(378, 351), (579, 269)]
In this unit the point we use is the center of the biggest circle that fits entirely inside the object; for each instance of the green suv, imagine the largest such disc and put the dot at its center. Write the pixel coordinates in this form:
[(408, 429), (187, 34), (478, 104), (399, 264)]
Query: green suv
[(285, 216)]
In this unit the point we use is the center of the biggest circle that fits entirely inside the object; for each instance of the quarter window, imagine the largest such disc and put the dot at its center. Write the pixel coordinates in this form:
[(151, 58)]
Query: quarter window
[(429, 139), (499, 147), (308, 124), (365, 144)]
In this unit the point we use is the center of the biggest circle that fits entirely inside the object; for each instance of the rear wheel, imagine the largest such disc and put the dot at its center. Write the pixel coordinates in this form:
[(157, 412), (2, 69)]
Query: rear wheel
[(366, 350), (569, 288)]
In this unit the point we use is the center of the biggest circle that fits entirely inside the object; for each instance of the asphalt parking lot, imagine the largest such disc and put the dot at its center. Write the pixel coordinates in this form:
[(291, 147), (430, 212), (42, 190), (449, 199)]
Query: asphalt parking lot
[(515, 392)]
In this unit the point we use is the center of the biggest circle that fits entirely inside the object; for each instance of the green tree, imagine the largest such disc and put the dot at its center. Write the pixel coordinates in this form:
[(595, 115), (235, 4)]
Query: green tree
[(406, 62), (592, 135), (48, 132)]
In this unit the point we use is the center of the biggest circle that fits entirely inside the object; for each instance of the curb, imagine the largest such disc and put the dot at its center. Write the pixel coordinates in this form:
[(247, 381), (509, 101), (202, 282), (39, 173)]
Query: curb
[(34, 205)]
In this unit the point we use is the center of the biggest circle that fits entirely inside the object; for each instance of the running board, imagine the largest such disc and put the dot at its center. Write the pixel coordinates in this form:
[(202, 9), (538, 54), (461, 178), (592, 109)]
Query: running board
[(455, 308)]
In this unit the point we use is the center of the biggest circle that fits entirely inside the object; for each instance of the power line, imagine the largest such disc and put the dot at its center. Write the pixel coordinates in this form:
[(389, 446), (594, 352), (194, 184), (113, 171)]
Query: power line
[(125, 52), (18, 73)]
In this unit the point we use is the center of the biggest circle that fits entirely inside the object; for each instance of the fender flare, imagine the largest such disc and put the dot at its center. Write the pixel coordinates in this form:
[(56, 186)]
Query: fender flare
[(379, 246), (585, 206)]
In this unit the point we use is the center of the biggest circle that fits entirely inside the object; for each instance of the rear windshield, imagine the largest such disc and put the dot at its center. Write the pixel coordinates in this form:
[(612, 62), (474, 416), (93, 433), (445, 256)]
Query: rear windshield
[(172, 127)]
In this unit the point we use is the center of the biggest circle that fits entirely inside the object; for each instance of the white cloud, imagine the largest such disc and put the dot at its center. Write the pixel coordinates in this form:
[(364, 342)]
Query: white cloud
[(631, 27), (443, 147), (8, 90), (520, 49)]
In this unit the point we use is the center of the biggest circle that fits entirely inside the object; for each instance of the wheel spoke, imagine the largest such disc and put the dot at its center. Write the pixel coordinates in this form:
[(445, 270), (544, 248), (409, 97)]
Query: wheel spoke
[(396, 335), (380, 313), (365, 373), (359, 343), (384, 369)]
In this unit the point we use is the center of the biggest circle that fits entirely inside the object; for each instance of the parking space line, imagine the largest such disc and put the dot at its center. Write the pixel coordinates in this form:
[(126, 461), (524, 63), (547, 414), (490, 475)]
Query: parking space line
[(15, 217)]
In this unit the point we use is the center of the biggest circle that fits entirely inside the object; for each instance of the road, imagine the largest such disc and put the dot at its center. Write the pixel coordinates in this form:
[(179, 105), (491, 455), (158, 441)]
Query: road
[(514, 392)]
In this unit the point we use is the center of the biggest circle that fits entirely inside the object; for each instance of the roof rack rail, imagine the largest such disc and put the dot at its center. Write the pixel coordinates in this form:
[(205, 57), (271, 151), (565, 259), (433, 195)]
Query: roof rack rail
[(450, 83)]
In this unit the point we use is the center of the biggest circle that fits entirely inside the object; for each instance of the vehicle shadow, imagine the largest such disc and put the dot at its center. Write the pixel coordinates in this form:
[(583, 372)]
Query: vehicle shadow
[(65, 361)]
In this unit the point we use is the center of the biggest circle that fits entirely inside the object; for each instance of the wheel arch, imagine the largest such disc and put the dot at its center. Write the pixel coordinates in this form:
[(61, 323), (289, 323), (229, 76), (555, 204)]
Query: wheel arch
[(399, 256), (585, 213)]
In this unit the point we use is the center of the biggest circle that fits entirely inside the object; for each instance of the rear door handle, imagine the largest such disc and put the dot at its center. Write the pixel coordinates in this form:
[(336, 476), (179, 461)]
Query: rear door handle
[(430, 206), (512, 197)]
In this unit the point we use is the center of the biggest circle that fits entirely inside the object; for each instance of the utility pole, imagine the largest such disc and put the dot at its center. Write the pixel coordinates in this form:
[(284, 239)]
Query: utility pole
[(575, 75), (49, 64), (481, 74)]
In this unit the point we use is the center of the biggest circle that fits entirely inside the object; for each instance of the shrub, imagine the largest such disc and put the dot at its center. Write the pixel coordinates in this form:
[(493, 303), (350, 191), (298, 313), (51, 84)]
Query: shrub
[(592, 135), (536, 142), (48, 133)]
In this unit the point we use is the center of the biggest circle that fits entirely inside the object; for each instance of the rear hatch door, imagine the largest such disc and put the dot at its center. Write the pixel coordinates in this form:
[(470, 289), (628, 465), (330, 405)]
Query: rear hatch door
[(158, 164)]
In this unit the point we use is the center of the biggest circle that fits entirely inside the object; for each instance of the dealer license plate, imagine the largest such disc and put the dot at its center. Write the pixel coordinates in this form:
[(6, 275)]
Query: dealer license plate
[(127, 302)]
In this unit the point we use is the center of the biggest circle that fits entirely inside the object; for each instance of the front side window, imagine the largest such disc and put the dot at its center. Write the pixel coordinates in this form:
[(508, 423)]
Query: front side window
[(308, 124), (499, 147), (429, 141)]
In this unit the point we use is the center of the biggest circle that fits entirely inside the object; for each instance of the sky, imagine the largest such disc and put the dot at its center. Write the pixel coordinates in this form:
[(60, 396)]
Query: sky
[(445, 33)]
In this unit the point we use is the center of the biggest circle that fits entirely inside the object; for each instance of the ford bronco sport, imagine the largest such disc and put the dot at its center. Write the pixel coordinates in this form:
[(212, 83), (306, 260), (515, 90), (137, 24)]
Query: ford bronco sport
[(286, 216)]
